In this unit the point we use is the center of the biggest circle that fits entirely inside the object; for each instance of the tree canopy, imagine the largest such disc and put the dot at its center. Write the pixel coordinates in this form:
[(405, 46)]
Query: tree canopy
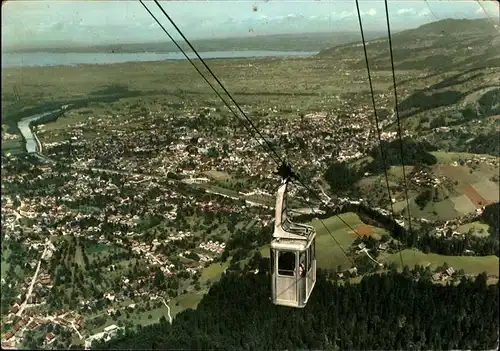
[(414, 153), (389, 311), (340, 177)]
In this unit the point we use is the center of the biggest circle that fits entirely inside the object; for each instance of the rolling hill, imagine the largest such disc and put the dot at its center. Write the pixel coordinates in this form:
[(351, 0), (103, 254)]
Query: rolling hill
[(439, 46), (454, 102)]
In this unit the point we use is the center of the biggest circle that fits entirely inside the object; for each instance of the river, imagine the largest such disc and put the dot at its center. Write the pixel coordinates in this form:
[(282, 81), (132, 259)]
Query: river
[(33, 59), (29, 137)]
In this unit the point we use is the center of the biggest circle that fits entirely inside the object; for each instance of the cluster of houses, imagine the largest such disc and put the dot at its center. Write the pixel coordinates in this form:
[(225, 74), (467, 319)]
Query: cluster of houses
[(186, 149), (445, 275), (213, 246), (70, 320), (9, 136), (423, 178)]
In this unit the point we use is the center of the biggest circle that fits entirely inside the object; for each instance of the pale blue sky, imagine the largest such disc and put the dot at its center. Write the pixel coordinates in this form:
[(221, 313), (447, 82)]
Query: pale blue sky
[(42, 22)]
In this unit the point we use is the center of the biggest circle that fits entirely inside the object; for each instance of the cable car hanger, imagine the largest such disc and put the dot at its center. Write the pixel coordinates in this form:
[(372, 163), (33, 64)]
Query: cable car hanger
[(292, 252)]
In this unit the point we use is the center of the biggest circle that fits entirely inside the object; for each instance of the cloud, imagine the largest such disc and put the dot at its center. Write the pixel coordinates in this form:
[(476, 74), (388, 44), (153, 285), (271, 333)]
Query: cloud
[(407, 11), (347, 14), (424, 12)]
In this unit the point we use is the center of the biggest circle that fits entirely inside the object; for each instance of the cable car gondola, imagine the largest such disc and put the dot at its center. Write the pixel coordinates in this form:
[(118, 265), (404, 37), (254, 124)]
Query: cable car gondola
[(293, 260)]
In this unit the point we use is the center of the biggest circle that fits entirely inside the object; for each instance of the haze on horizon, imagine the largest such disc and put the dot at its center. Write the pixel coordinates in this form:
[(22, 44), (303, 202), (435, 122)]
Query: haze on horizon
[(61, 23)]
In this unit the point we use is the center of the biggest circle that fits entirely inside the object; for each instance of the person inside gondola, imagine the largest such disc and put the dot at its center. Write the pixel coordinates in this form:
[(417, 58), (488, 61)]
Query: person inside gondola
[(302, 264)]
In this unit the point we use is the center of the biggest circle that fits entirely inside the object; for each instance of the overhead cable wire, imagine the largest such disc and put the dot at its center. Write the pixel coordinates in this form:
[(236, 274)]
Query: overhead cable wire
[(301, 182), (280, 162), (321, 221), (430, 10), (338, 216), (374, 105), (334, 239), (488, 16), (382, 154), (396, 109), (214, 76)]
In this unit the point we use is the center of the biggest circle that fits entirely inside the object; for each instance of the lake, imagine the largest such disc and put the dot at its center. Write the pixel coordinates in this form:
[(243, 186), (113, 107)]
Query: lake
[(33, 59)]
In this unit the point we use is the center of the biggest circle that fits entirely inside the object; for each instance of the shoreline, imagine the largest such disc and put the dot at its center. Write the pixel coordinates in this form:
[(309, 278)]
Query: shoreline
[(31, 60)]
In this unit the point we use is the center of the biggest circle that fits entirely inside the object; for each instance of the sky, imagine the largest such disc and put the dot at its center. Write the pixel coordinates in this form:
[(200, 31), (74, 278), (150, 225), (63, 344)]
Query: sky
[(39, 23)]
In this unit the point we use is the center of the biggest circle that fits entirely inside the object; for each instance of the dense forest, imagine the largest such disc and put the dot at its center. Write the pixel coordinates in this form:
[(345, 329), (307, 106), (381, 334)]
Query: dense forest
[(491, 216), (414, 152), (342, 178), (389, 311), (486, 144)]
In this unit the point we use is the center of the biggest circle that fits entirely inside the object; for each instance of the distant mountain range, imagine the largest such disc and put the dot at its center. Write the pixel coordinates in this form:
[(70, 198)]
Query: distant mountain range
[(446, 36), (279, 42), (437, 46)]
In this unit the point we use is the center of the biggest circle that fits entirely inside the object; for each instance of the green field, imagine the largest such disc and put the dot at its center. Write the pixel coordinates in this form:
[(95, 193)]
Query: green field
[(328, 252), (156, 314), (214, 271), (450, 157), (463, 204), (487, 189), (184, 301), (177, 305), (470, 264), (464, 228), (444, 210), (454, 178), (452, 201), (217, 175), (219, 190), (97, 248), (397, 171), (5, 266)]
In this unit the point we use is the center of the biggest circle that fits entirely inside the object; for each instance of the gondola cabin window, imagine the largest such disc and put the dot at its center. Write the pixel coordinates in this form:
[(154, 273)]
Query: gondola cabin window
[(286, 263), (310, 256)]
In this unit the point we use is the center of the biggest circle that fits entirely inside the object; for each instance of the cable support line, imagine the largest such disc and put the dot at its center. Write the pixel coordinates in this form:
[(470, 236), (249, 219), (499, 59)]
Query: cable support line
[(396, 108), (326, 204), (217, 80), (334, 239), (324, 225), (376, 120), (430, 10), (488, 16), (279, 161), (375, 109)]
